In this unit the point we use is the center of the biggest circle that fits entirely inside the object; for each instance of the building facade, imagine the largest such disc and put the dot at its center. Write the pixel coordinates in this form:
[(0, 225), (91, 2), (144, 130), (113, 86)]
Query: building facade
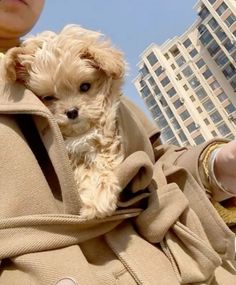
[(189, 83)]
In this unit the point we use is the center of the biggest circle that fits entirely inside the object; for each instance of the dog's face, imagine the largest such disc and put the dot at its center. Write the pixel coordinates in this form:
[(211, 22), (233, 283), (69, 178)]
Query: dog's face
[(75, 74), (76, 99), (76, 94)]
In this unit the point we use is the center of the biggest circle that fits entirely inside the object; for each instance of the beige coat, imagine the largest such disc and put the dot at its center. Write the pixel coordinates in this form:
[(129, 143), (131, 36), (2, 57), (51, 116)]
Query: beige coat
[(162, 233)]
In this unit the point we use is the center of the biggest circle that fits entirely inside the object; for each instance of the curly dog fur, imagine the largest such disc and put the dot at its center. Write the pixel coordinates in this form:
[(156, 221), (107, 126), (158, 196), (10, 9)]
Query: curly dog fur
[(78, 75)]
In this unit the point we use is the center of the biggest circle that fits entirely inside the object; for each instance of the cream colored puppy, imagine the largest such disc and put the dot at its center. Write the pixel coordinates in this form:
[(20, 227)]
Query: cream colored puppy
[(78, 75)]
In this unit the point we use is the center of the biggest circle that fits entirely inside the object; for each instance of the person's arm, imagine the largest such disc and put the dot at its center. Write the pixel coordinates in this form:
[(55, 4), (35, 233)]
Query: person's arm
[(225, 167), (214, 167), (196, 159)]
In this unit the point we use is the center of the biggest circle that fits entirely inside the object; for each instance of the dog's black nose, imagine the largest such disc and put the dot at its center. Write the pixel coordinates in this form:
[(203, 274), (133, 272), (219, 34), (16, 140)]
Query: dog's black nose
[(72, 113)]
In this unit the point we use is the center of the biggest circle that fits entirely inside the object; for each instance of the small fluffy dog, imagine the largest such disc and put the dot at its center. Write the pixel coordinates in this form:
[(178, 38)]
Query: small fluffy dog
[(78, 75)]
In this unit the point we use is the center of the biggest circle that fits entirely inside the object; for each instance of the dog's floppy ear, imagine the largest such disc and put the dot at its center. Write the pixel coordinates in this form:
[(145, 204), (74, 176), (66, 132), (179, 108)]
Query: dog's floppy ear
[(13, 67), (18, 61), (107, 59)]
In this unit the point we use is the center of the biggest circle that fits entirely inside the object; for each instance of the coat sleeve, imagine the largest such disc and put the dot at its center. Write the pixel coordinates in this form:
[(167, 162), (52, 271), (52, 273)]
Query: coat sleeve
[(189, 158)]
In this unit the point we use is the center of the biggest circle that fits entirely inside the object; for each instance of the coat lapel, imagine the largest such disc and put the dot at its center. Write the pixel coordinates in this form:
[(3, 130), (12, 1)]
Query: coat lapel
[(18, 100)]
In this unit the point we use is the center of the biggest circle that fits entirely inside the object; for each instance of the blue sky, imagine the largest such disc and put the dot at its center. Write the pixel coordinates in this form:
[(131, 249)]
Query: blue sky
[(131, 25)]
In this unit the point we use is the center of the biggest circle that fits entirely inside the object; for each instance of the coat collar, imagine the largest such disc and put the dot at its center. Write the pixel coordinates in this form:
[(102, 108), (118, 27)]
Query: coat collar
[(18, 100)]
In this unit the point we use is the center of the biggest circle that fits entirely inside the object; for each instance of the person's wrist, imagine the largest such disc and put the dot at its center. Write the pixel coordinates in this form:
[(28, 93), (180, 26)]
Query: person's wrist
[(220, 178)]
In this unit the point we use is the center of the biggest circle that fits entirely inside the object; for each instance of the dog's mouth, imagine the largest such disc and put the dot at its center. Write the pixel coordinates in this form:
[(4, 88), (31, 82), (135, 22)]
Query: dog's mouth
[(72, 127)]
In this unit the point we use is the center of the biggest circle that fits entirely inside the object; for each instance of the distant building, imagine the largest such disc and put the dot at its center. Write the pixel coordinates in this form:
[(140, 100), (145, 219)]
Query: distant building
[(189, 82)]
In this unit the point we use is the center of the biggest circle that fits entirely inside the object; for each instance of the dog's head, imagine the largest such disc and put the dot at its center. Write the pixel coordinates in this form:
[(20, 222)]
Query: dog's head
[(76, 73)]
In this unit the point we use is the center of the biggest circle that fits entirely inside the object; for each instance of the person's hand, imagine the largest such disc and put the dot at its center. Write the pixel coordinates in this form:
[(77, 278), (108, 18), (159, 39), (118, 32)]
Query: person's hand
[(225, 168)]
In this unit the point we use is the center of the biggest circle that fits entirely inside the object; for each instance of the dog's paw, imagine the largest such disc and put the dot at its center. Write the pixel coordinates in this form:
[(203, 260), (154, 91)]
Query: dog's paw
[(91, 212), (87, 213)]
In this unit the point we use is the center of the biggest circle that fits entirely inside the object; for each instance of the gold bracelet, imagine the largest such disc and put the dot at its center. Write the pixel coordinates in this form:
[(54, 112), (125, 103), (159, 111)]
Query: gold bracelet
[(207, 160), (208, 167)]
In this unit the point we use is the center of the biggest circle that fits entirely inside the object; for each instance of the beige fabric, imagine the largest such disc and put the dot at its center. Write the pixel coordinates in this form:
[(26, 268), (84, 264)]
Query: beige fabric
[(165, 230)]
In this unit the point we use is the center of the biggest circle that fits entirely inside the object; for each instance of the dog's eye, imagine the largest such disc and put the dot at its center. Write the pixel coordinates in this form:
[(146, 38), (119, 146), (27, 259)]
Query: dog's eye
[(84, 87), (49, 98)]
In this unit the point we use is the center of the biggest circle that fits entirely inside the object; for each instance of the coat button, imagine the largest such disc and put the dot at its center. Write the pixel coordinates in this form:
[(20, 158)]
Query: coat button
[(66, 281)]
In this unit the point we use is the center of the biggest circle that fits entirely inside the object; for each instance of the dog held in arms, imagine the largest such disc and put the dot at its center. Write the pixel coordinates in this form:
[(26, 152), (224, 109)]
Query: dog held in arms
[(78, 75)]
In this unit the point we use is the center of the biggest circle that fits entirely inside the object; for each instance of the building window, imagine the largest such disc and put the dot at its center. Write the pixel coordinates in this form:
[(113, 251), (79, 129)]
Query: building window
[(177, 103), (208, 105), (214, 85), (187, 71), (173, 66), (213, 24), (151, 81), (233, 84), (193, 52), (206, 37), (191, 127), (194, 82), (163, 102), (213, 48), (171, 92), (174, 142), (229, 46), (150, 102), (145, 91), (220, 34), (159, 70), (192, 98), (223, 129), (221, 59), (222, 97), (231, 137), (169, 113), (187, 43), (156, 112), (202, 29), (221, 9), (156, 90), (207, 74), (152, 58), (214, 133), (165, 81), (216, 117), (142, 83), (180, 61), (182, 136), (234, 56), (199, 109), (144, 71), (178, 77), (200, 63), (204, 13), (175, 124), (162, 123), (230, 20), (212, 1), (175, 51), (230, 108), (185, 115), (167, 134), (229, 71), (201, 93), (199, 139), (206, 121), (185, 87), (167, 56)]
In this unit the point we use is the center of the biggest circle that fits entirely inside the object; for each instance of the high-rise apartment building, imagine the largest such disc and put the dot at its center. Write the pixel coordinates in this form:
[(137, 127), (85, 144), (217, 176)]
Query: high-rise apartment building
[(189, 82)]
